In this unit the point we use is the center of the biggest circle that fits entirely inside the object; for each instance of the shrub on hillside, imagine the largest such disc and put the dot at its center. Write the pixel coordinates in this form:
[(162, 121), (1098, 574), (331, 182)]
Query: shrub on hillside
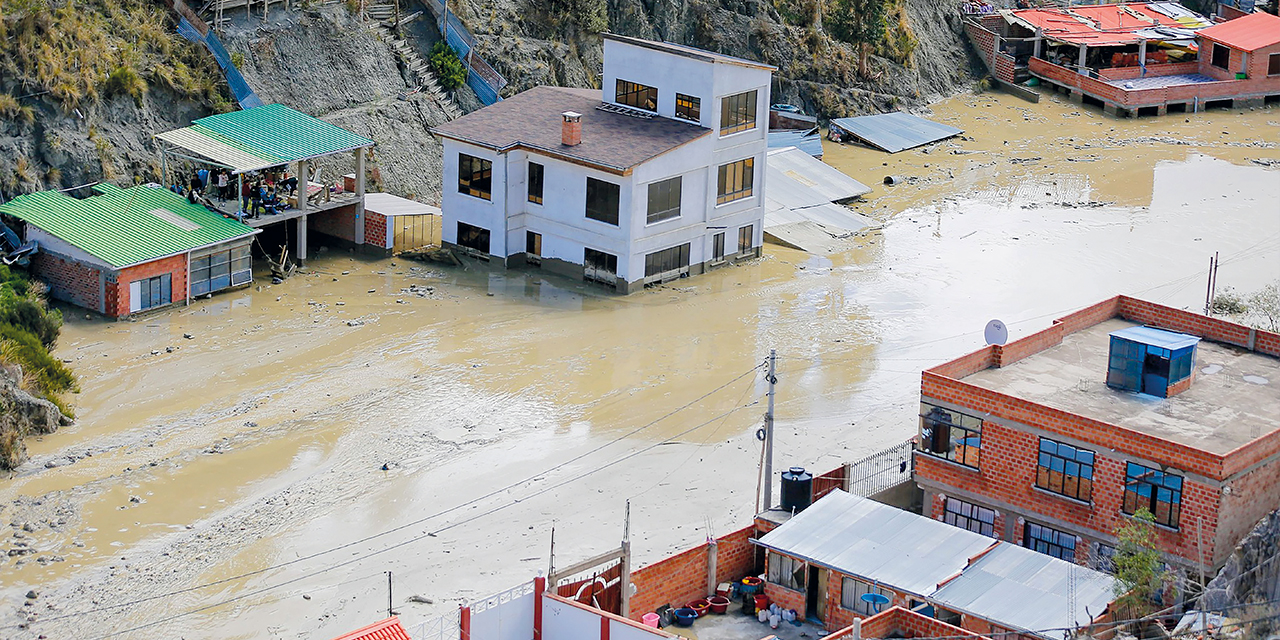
[(449, 70), (124, 81)]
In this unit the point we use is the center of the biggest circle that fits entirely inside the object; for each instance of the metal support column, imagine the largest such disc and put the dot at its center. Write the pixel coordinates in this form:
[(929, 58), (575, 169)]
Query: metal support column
[(304, 180)]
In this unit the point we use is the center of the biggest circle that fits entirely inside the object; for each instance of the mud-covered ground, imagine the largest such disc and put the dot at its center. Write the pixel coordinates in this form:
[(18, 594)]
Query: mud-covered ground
[(234, 483)]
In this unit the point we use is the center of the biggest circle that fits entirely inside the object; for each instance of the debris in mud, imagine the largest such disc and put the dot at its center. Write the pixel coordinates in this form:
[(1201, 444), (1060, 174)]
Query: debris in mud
[(1025, 160), (32, 594), (188, 336), (1265, 162), (355, 323), (419, 599)]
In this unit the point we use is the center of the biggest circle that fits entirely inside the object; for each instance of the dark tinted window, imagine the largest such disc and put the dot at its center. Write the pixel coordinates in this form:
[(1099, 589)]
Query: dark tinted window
[(602, 201)]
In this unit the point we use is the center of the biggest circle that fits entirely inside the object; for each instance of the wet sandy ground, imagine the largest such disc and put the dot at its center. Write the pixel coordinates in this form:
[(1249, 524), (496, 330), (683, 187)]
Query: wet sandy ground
[(258, 445)]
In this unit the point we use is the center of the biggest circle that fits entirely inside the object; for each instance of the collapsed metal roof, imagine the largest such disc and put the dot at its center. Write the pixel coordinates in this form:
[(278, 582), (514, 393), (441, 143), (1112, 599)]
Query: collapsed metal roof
[(801, 209), (894, 132)]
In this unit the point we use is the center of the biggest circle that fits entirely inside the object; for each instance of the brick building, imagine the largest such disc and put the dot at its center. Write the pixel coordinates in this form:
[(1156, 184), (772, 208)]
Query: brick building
[(124, 251), (1054, 440), (823, 560)]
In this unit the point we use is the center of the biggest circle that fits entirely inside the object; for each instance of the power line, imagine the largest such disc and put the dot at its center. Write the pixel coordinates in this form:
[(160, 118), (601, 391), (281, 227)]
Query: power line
[(408, 524), (409, 541)]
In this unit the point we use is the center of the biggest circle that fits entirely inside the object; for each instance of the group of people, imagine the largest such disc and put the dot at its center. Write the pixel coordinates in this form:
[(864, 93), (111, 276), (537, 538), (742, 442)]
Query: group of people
[(260, 194), (972, 7)]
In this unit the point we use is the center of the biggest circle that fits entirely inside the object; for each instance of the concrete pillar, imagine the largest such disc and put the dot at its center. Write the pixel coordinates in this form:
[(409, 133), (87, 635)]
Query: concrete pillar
[(1039, 43), (712, 583), (1162, 110), (1142, 56), (624, 593), (359, 196), (1080, 68), (539, 586), (302, 240), (1110, 109), (304, 177), (1077, 96), (995, 52)]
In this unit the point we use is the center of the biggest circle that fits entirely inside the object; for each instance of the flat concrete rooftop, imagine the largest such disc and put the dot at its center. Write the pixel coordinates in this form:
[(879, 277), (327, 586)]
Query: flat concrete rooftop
[(1234, 399), (736, 625)]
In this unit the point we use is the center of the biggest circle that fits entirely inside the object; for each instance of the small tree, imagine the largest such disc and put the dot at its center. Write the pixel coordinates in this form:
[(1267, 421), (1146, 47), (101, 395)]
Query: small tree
[(860, 23), (448, 68), (1264, 304), (1140, 575)]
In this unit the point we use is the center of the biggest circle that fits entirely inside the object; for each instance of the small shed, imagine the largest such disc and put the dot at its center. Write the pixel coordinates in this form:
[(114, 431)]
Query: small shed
[(399, 224), (1151, 361), (892, 132)]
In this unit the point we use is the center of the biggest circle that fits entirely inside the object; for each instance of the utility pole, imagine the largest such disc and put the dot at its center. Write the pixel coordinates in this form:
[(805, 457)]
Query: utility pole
[(768, 432), (389, 608), (624, 586), (1211, 287)]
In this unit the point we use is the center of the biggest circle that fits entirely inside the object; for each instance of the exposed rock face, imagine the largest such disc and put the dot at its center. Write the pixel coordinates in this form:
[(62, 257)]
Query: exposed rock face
[(22, 414), (814, 71), (1248, 586)]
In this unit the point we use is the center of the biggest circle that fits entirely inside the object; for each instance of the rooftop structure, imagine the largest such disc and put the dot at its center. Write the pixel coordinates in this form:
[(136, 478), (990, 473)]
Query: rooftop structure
[(122, 251), (804, 208), (848, 546), (892, 132), (1136, 58), (659, 176), (1050, 440), (263, 144)]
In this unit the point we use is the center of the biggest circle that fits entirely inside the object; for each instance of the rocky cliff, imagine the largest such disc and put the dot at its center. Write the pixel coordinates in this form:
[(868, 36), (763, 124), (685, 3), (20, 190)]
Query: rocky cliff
[(21, 415), (1248, 586)]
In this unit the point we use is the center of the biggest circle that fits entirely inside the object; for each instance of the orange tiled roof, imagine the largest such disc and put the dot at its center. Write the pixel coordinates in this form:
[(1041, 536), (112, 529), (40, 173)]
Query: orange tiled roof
[(388, 629), (1096, 25)]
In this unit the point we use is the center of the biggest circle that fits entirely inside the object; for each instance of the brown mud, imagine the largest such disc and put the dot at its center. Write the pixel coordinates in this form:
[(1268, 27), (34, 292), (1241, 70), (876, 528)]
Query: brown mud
[(369, 395)]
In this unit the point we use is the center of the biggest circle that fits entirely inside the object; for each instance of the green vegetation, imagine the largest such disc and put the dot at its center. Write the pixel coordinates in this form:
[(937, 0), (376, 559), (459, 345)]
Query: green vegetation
[(1260, 309), (861, 23), (28, 329), (588, 15), (1140, 574), (447, 67), (899, 40), (82, 50)]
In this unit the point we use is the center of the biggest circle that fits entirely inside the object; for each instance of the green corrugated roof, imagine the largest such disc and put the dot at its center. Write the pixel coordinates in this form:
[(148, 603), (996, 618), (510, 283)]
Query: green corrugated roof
[(124, 227), (262, 137)]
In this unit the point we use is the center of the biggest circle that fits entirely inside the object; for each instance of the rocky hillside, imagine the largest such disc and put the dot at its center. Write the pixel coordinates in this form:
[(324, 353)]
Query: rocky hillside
[(22, 415), (1248, 586), (533, 42)]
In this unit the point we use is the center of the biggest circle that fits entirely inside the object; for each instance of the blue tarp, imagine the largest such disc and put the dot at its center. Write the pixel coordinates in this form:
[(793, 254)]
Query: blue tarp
[(893, 132), (245, 95)]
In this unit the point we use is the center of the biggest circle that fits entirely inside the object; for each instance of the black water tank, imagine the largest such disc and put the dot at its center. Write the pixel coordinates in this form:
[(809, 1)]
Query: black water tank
[(797, 489)]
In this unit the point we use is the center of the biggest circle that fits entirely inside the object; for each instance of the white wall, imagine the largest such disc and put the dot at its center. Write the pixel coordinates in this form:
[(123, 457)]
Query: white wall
[(669, 73), (511, 620), (487, 214), (562, 621)]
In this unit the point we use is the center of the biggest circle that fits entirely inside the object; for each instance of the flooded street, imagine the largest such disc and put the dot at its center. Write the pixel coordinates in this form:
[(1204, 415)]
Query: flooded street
[(385, 415)]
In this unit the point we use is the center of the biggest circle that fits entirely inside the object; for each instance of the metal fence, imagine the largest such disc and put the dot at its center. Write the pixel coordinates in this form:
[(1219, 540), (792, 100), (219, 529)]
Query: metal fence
[(881, 471), (446, 627), (481, 77)]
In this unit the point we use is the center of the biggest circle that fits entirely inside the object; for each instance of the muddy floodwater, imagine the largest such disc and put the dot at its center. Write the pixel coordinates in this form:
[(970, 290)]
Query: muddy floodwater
[(258, 478)]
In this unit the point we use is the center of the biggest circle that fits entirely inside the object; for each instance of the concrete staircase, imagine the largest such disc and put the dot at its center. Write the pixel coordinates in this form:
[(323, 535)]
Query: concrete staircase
[(419, 71)]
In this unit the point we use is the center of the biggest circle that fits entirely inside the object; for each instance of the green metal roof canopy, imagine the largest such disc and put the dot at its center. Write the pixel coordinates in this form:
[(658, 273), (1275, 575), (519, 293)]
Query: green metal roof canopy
[(262, 137), (125, 227)]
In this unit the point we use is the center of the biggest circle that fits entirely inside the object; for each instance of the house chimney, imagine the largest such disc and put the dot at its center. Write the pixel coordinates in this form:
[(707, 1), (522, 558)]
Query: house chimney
[(571, 129)]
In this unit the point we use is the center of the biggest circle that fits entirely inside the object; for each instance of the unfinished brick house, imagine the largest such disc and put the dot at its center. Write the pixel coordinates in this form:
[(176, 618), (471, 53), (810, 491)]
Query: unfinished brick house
[(1054, 440)]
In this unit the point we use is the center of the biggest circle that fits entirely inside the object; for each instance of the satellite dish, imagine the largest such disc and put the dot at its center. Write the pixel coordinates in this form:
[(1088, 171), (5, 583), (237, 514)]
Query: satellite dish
[(996, 332), (876, 600)]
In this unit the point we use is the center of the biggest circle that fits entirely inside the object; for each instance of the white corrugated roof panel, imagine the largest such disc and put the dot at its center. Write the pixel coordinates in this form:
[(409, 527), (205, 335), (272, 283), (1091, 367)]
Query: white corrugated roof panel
[(390, 205), (876, 542)]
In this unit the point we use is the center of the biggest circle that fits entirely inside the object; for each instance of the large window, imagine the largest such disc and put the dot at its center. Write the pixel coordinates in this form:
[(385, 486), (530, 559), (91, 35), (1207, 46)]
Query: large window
[(664, 200), (599, 266), (690, 108), (1049, 541), (736, 180), (977, 519), (473, 237), (950, 434), (851, 592), (667, 260), (1221, 56), (602, 201), (1062, 468), (746, 238), (1273, 65), (787, 572), (1158, 491), (737, 113), (636, 95), (475, 176), (150, 293), (220, 270), (535, 182)]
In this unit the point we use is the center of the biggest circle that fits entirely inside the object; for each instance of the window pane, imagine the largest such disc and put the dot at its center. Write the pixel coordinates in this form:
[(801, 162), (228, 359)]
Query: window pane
[(535, 182), (602, 201)]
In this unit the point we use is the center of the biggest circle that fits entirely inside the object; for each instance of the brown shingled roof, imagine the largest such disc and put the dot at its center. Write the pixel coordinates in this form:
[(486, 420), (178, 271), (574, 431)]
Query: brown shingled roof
[(611, 141)]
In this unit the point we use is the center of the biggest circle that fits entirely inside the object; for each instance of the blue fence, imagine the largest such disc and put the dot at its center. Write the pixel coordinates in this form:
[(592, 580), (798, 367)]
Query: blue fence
[(481, 77), (243, 93)]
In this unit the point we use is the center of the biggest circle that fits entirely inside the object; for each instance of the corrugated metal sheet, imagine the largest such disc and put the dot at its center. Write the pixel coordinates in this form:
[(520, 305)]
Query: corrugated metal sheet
[(263, 137), (800, 197), (809, 142), (894, 132), (389, 629), (1027, 591), (1157, 337), (389, 205), (119, 226), (859, 537)]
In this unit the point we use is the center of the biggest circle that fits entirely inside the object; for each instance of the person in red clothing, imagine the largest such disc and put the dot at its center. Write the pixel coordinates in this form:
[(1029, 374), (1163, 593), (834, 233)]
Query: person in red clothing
[(245, 190)]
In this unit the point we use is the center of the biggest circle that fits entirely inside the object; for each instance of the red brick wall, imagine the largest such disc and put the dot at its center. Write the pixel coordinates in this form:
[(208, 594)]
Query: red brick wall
[(786, 598), (375, 230), (339, 223), (983, 39), (118, 291), (683, 577), (908, 624), (1252, 495), (1151, 70), (69, 280)]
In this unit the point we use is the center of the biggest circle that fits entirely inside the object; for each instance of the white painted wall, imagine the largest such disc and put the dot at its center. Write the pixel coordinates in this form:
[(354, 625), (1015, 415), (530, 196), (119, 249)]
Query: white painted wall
[(561, 218), (511, 620), (54, 244), (562, 621)]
